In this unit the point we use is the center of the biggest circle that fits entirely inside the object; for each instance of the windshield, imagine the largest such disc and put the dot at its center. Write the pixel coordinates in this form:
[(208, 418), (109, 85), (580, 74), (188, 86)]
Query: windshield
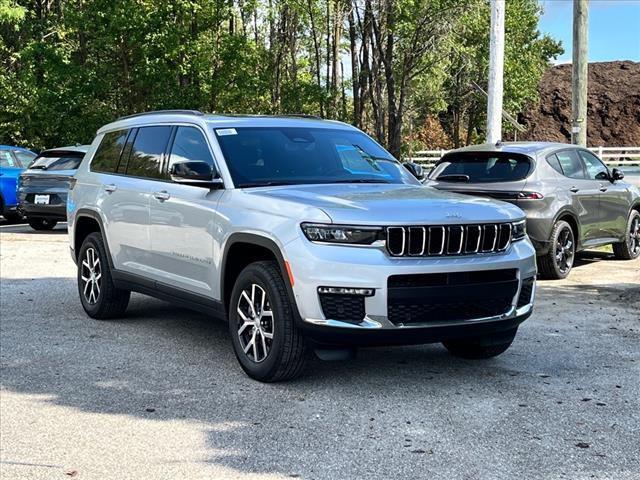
[(57, 160), (481, 167), (289, 156)]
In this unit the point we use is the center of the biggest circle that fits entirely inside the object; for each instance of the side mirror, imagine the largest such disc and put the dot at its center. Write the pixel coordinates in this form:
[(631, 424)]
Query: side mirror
[(195, 173), (415, 170), (617, 174)]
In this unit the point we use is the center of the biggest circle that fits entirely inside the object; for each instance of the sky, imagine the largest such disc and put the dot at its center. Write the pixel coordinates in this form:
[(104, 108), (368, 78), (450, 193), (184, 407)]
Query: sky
[(614, 28)]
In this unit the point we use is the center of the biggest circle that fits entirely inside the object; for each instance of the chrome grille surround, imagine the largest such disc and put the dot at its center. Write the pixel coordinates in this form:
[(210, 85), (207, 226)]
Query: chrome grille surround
[(447, 240)]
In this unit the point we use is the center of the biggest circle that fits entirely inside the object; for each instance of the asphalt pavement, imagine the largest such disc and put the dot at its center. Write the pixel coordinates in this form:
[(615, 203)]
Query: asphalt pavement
[(159, 395)]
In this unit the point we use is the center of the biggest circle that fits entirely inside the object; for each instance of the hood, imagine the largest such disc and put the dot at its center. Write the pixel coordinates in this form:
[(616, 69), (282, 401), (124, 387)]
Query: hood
[(386, 204)]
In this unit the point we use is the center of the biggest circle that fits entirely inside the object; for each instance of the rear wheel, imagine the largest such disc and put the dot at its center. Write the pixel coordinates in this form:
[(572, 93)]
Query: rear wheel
[(42, 223), (12, 217), (478, 348), (630, 248), (265, 339), (98, 294), (558, 262)]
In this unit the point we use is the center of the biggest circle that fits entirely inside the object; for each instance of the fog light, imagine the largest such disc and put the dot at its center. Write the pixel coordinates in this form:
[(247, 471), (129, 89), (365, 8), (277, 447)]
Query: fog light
[(365, 292)]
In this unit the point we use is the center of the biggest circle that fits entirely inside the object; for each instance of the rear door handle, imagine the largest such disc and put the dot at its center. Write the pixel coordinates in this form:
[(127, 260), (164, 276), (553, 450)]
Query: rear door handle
[(603, 189), (162, 196), (574, 189), (110, 188)]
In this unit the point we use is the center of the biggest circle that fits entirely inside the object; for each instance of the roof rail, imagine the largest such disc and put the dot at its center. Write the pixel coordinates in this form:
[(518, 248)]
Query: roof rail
[(153, 112), (299, 115)]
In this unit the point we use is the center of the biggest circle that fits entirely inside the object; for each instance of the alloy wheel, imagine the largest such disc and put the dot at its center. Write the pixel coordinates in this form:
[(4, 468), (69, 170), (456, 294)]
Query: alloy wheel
[(634, 236), (255, 322), (91, 276), (564, 250)]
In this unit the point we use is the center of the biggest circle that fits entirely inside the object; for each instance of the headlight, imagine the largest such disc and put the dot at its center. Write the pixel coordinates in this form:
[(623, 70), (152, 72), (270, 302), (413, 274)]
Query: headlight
[(341, 233), (518, 230)]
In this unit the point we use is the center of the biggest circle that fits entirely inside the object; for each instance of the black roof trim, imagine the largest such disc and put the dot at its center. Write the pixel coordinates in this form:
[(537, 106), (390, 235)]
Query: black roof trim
[(153, 112)]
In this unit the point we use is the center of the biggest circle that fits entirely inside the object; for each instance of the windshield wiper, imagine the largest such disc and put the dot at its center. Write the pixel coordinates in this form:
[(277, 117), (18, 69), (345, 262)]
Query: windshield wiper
[(454, 177), (361, 180), (265, 184)]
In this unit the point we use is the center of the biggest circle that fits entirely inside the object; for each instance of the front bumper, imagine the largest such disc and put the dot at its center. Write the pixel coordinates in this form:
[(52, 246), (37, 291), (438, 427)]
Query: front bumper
[(315, 265)]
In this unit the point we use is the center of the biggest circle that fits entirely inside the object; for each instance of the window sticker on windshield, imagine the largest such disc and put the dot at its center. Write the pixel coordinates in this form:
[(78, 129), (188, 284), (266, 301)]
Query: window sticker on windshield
[(226, 131)]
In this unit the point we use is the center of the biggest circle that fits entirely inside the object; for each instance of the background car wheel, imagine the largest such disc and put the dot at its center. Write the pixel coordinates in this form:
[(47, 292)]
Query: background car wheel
[(98, 294), (13, 217), (265, 339), (481, 347), (42, 223), (630, 248), (558, 262)]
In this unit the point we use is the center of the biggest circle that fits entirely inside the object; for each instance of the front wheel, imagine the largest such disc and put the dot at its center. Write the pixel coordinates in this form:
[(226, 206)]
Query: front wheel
[(42, 223), (558, 262), (265, 338), (478, 348), (630, 248)]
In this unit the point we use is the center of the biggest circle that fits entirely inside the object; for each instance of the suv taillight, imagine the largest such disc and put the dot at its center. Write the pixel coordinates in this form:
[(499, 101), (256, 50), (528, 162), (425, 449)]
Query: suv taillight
[(530, 196)]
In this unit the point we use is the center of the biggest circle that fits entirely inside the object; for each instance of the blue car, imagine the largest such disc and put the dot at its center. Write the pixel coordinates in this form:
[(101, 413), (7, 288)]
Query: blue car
[(13, 160)]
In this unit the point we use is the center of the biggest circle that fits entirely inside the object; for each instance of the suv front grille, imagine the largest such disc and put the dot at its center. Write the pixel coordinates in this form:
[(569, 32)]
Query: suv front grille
[(456, 296), (436, 240)]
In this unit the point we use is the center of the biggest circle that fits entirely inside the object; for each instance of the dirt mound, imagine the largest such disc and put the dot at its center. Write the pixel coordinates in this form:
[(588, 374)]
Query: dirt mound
[(613, 105)]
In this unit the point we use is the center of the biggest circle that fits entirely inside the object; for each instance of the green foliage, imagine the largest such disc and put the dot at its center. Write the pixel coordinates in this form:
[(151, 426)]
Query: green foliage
[(527, 55), (69, 66)]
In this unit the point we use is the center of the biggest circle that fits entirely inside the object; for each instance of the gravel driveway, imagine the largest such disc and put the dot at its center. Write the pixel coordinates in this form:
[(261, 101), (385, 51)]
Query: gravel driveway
[(159, 395)]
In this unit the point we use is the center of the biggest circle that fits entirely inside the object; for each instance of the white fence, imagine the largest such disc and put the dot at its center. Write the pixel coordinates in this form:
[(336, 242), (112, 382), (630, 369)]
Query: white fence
[(612, 156)]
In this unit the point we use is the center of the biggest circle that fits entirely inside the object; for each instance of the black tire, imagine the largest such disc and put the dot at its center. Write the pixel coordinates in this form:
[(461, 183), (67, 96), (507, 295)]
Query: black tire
[(284, 355), (106, 301), (479, 348), (13, 217), (557, 263), (630, 248), (42, 223)]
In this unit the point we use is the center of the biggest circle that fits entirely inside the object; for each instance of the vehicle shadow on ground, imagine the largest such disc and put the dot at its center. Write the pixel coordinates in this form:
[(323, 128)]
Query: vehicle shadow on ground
[(23, 227), (166, 363)]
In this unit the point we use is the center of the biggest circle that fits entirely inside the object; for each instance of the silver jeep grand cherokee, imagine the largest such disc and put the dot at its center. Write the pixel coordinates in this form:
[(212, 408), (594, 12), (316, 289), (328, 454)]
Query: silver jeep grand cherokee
[(303, 234)]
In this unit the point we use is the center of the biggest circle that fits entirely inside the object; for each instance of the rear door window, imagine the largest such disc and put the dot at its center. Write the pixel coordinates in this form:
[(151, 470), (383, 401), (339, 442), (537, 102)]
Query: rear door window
[(482, 167), (147, 152), (570, 164), (108, 154), (57, 160)]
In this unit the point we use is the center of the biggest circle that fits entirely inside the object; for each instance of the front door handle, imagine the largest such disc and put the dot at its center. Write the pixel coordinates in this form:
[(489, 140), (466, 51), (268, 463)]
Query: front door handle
[(110, 188), (603, 189), (162, 196), (574, 189)]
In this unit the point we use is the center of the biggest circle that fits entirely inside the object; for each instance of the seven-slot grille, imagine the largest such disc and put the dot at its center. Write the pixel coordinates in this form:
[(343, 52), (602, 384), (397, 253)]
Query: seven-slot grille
[(434, 240)]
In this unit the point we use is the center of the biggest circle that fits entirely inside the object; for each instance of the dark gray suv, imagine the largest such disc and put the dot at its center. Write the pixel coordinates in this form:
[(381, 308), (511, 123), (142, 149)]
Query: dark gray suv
[(572, 200)]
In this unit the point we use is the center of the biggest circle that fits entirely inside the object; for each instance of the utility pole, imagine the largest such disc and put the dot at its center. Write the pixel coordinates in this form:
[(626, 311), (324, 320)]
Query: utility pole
[(579, 76), (496, 72)]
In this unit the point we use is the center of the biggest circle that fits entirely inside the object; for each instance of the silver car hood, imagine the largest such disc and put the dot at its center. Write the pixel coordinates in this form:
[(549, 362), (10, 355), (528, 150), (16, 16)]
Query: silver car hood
[(386, 204)]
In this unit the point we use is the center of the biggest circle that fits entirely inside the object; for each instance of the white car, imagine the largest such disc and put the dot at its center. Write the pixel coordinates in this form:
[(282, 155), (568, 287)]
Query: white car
[(302, 234)]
